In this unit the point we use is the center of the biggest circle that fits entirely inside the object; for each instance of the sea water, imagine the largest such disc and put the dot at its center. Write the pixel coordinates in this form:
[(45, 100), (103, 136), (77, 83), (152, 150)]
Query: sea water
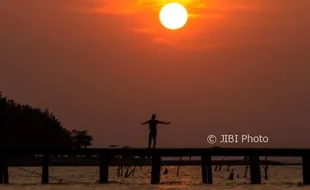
[(84, 178)]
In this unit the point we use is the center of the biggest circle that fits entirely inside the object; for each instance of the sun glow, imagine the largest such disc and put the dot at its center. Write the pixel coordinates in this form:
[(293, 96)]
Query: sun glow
[(173, 16)]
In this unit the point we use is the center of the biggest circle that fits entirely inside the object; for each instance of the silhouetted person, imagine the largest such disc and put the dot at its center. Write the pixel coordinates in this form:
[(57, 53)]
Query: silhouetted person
[(231, 175), (166, 171), (153, 129)]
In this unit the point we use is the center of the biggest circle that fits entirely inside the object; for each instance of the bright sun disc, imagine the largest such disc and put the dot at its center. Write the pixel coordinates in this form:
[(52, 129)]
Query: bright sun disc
[(173, 16)]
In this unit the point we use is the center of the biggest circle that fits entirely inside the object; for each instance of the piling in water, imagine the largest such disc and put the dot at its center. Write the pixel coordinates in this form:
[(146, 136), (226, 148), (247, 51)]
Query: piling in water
[(104, 169), (45, 169), (155, 176)]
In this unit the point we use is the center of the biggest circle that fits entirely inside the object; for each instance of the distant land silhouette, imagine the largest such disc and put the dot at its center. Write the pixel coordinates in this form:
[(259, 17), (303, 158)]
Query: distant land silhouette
[(22, 126)]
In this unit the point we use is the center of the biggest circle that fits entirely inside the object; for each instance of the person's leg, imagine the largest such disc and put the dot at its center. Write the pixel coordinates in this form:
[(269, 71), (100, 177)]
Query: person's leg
[(154, 139), (150, 140)]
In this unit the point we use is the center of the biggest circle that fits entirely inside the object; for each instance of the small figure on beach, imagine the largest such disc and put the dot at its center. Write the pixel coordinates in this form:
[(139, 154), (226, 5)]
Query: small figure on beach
[(231, 175), (166, 171), (153, 129)]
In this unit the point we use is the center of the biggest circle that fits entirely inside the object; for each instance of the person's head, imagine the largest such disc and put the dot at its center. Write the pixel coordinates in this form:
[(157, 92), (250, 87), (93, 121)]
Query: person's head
[(153, 116)]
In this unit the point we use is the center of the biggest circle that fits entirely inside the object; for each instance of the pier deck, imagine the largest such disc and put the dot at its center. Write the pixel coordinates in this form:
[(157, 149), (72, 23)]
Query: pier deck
[(88, 161), (107, 157)]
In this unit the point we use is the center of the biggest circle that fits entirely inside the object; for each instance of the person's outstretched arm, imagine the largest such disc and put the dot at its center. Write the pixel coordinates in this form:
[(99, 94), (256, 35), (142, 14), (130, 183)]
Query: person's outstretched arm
[(145, 122), (163, 122)]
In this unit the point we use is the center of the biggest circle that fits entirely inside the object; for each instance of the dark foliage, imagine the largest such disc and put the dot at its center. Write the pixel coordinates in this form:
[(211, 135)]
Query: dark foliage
[(22, 126), (81, 139)]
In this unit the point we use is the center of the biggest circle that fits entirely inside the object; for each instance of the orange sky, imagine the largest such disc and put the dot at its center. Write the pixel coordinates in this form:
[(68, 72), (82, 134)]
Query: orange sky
[(237, 67)]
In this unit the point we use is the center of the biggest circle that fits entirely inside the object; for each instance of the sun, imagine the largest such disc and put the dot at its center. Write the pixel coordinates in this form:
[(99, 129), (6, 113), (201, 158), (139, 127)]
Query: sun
[(173, 16)]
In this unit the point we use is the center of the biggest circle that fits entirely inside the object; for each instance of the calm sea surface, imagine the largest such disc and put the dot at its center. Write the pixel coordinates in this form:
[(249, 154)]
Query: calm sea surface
[(76, 178)]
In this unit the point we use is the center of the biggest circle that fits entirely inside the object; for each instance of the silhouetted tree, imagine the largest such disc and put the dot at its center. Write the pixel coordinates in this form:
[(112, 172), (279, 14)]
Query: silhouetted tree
[(81, 138), (22, 126)]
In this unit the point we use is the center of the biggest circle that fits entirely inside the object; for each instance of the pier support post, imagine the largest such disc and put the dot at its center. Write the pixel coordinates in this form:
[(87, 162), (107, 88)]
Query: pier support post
[(4, 170), (45, 169), (266, 172), (206, 169), (104, 169), (1, 171), (255, 169), (306, 169), (209, 169), (155, 175)]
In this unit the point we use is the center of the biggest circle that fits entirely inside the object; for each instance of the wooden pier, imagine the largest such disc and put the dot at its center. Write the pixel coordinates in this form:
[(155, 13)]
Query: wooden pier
[(106, 157)]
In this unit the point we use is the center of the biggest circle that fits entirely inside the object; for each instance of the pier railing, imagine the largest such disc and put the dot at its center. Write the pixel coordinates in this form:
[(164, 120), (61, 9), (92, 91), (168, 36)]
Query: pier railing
[(107, 155)]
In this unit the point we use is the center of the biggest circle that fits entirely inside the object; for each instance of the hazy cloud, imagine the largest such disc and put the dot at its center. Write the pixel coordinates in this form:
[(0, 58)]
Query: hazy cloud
[(237, 66)]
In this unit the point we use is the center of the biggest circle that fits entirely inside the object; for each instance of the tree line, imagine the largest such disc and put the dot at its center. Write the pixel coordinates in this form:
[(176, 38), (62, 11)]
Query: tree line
[(23, 126)]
